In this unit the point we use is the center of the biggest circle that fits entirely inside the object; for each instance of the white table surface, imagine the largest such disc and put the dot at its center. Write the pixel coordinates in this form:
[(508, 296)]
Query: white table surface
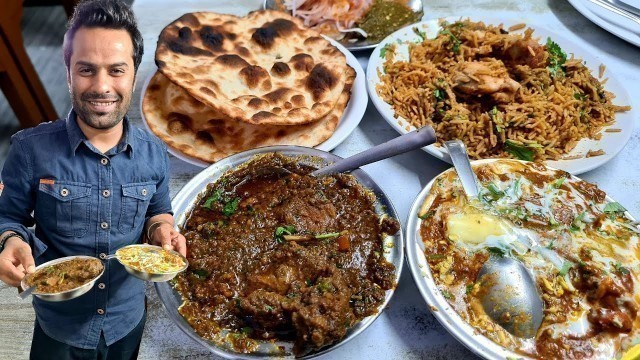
[(406, 329)]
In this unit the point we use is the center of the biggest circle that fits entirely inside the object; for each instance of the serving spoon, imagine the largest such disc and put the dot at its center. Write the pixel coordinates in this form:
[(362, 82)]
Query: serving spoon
[(399, 145), (508, 292)]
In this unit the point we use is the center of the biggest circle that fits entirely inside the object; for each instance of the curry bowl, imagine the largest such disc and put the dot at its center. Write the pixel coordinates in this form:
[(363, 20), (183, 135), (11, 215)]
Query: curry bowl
[(69, 294), (224, 343), (135, 266), (580, 248)]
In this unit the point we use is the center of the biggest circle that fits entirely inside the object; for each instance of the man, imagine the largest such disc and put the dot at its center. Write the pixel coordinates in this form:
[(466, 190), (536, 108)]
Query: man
[(92, 183)]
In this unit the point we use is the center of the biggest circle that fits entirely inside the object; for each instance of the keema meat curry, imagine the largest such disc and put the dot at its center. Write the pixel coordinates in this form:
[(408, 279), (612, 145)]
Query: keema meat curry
[(284, 256)]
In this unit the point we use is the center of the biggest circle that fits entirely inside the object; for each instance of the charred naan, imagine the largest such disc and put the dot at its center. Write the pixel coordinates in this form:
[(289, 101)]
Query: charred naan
[(193, 128), (264, 68)]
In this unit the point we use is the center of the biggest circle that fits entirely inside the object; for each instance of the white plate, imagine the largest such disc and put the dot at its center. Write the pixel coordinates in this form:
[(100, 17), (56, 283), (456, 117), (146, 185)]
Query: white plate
[(611, 143), (613, 23), (348, 122)]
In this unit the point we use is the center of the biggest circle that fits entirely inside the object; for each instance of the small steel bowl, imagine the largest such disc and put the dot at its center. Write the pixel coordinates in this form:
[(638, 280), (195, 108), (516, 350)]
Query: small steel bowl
[(63, 295), (154, 277)]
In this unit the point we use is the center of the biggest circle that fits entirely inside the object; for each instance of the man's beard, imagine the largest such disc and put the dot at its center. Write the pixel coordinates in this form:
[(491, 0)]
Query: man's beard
[(100, 120)]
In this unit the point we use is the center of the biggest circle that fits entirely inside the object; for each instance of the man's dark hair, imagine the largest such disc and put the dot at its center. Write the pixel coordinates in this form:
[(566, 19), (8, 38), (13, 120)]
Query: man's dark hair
[(109, 14)]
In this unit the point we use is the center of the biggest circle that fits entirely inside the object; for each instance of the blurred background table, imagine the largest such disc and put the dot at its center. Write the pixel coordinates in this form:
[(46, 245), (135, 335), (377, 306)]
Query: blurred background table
[(406, 329), (18, 79)]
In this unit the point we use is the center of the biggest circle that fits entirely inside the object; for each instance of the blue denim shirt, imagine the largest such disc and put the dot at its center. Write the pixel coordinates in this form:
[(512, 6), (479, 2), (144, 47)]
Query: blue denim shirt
[(85, 202)]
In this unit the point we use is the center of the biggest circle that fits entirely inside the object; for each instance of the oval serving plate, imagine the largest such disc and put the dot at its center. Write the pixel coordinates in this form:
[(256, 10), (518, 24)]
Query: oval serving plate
[(350, 119), (69, 294), (364, 44), (188, 197), (437, 303), (611, 143)]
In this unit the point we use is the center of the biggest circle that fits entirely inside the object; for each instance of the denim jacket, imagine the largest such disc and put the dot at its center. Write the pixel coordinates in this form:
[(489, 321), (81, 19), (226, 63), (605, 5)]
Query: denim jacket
[(84, 202)]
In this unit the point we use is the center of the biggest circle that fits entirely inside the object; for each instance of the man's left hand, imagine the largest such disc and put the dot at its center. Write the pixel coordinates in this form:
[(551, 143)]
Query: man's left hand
[(170, 239)]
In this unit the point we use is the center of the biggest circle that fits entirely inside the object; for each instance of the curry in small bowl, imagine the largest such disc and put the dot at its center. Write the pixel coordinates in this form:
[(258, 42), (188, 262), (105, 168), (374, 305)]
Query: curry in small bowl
[(64, 278)]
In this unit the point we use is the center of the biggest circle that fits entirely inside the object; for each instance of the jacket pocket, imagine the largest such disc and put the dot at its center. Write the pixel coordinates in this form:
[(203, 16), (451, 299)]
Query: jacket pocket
[(68, 206), (135, 201)]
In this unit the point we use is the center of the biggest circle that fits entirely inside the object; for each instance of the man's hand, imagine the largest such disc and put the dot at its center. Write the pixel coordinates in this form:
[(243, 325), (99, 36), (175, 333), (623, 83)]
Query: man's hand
[(16, 257), (166, 236)]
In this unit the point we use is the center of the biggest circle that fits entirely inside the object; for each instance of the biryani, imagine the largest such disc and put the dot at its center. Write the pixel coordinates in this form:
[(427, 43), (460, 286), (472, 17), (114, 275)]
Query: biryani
[(503, 94)]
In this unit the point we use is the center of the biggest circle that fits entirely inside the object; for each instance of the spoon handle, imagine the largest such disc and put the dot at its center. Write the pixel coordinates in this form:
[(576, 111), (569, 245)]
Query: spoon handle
[(458, 153), (24, 294), (407, 142)]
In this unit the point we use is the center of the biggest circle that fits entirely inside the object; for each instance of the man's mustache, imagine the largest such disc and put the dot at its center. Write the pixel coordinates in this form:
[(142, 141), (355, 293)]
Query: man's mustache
[(92, 96)]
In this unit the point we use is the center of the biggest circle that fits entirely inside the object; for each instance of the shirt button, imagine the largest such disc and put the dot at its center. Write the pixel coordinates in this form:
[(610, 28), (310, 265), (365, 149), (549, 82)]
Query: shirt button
[(104, 225), (101, 286), (64, 192), (106, 193), (102, 256), (144, 192), (104, 161), (100, 312)]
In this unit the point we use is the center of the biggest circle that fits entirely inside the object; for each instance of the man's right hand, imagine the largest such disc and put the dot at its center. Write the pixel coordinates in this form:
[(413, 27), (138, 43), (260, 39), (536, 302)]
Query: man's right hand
[(15, 257)]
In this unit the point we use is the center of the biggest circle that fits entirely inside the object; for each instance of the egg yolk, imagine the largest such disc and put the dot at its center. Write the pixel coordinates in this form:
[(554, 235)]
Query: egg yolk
[(474, 228)]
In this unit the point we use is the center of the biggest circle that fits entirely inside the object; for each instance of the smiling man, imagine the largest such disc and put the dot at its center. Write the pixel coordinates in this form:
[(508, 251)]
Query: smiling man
[(91, 183)]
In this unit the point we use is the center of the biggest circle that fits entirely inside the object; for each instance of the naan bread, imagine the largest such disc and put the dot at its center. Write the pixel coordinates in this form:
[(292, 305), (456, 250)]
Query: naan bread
[(264, 68), (194, 129)]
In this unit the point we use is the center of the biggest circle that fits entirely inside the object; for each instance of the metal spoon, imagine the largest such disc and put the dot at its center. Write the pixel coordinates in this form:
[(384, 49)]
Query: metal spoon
[(510, 297), (460, 159), (26, 292), (508, 292), (399, 145), (407, 142)]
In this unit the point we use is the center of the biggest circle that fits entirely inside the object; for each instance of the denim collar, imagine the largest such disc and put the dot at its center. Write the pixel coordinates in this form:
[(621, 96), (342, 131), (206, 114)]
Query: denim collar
[(77, 137)]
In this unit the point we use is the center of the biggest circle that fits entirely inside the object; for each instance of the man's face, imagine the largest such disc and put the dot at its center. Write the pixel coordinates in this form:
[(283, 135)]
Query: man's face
[(101, 76)]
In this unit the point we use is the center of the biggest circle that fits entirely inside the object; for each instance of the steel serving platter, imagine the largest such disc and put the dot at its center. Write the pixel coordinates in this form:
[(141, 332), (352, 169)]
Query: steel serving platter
[(436, 302), (188, 197)]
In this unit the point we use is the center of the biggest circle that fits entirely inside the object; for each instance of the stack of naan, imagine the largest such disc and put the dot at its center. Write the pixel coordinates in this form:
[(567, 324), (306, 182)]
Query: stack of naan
[(227, 84)]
